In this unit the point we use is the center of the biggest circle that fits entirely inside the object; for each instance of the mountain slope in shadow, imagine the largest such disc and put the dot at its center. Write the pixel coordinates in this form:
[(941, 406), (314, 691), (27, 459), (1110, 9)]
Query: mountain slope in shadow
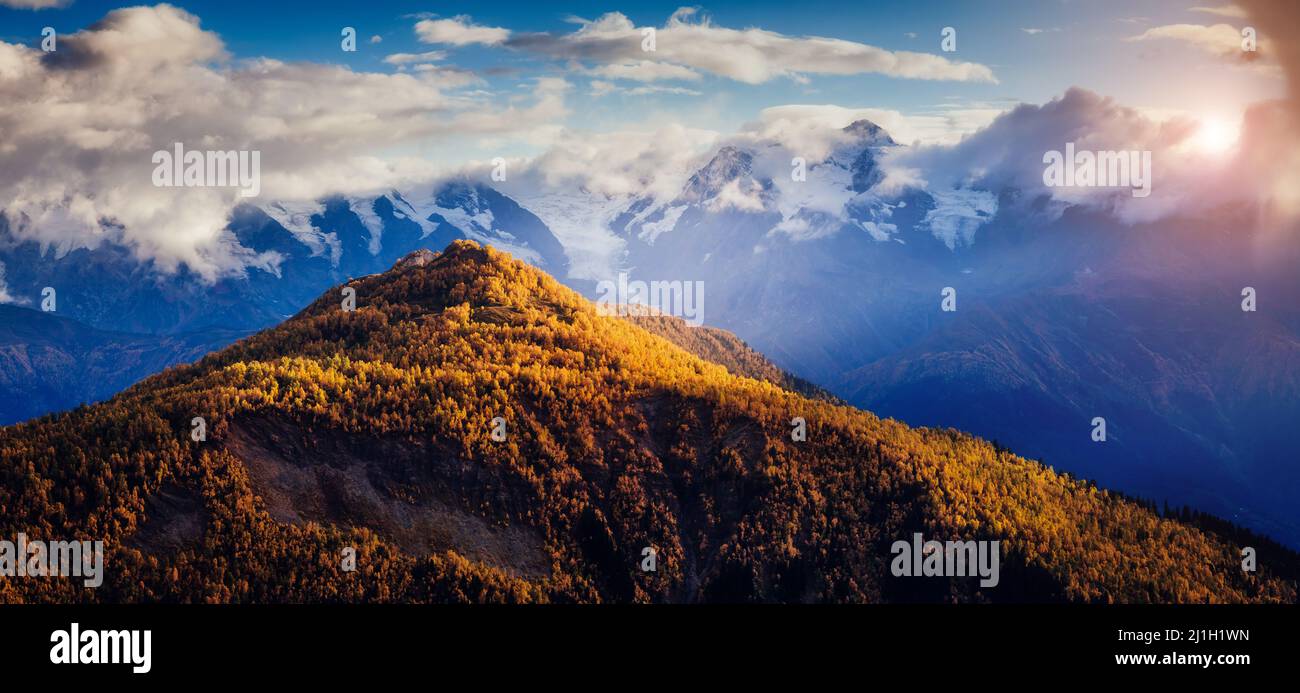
[(49, 363)]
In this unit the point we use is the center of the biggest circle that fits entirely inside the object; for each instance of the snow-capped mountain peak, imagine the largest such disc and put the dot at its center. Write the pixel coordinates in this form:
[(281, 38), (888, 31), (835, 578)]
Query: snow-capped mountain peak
[(868, 133), (730, 166)]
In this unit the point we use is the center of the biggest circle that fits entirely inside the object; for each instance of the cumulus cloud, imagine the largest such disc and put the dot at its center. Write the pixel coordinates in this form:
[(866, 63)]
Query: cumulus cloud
[(82, 124), (750, 55), (1010, 152), (735, 196), (653, 161), (1267, 166), (1004, 150), (1262, 170), (585, 179), (459, 31)]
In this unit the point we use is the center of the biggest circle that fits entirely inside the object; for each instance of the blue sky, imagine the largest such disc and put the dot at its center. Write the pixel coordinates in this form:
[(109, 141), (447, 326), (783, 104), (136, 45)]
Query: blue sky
[(1080, 43)]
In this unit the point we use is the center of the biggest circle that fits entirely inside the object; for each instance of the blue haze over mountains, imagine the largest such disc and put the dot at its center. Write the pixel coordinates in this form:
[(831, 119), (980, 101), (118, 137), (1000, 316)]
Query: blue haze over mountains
[(1061, 317)]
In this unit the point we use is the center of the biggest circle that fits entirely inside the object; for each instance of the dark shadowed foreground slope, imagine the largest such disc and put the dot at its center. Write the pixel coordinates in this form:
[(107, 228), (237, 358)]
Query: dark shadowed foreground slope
[(371, 431)]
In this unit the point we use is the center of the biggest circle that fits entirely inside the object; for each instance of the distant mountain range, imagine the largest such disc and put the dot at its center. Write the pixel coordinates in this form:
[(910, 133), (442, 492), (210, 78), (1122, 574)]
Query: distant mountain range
[(314, 245), (476, 432), (49, 363), (1063, 314)]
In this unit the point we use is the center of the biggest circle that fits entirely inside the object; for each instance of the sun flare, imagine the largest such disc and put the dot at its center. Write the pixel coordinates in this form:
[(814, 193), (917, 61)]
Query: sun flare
[(1214, 136)]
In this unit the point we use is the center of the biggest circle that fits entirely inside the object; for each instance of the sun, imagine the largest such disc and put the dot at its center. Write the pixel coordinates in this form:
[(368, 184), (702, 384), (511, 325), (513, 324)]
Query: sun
[(1214, 135)]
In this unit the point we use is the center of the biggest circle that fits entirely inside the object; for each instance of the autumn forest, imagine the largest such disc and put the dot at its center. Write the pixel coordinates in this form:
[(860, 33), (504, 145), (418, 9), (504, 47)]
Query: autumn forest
[(475, 432)]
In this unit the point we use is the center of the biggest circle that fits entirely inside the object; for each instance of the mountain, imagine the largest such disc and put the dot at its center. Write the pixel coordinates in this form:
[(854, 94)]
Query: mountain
[(370, 434), (1061, 316), (302, 248), (723, 348), (49, 363), (804, 270), (133, 319), (1197, 393)]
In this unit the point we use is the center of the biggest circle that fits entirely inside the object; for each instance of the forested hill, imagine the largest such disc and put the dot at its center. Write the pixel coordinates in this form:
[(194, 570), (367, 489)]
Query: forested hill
[(371, 433)]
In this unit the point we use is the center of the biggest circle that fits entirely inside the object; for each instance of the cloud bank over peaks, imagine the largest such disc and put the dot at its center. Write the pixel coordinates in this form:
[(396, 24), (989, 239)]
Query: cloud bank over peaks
[(654, 162), (81, 125), (1010, 154), (962, 172)]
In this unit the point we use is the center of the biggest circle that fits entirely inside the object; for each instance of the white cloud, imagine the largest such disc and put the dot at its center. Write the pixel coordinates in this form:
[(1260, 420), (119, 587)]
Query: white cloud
[(1009, 153), (81, 126), (458, 31), (750, 55), (1222, 11), (658, 89), (1006, 149), (812, 130), (1220, 39), (585, 179), (602, 88), (34, 4), (405, 58), (645, 71), (654, 161), (733, 196), (447, 77)]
